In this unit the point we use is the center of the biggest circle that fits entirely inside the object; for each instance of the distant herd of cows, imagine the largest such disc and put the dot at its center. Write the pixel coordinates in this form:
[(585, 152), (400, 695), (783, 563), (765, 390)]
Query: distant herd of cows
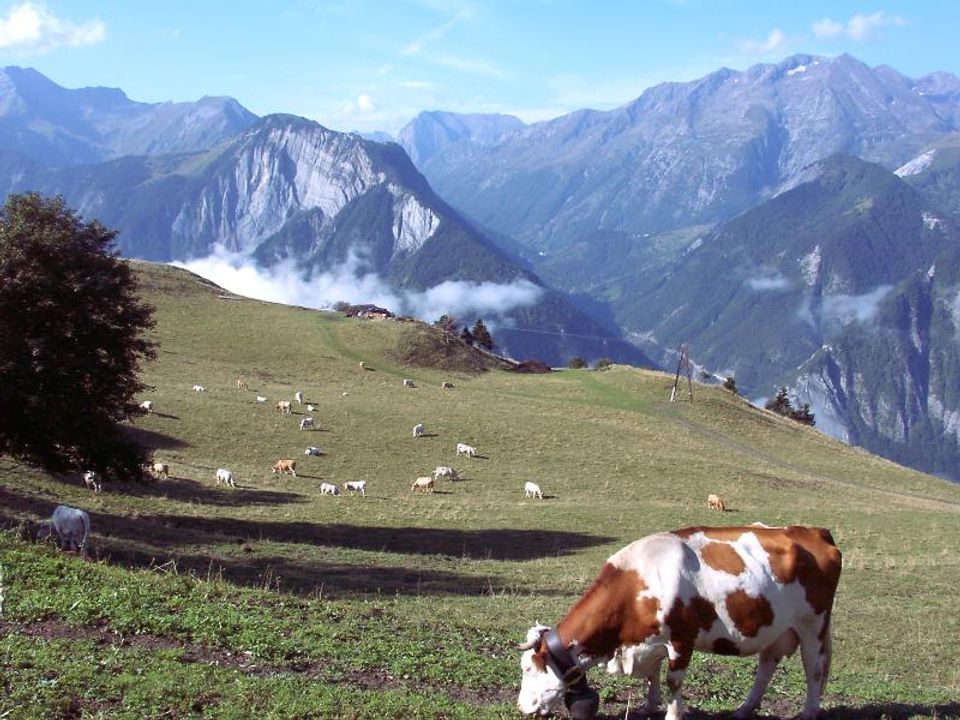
[(745, 590)]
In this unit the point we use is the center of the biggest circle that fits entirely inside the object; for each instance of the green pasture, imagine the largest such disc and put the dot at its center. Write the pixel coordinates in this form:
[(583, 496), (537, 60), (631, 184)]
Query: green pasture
[(272, 601)]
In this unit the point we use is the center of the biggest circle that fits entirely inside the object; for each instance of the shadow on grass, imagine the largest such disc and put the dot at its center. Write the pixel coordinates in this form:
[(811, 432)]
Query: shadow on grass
[(186, 490), (892, 711), (500, 544), (151, 439), (190, 544)]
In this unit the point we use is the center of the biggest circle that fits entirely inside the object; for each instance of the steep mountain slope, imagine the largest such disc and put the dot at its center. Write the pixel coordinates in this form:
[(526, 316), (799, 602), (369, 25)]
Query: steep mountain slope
[(430, 133), (288, 188), (892, 388), (690, 153), (936, 173), (762, 293), (57, 126)]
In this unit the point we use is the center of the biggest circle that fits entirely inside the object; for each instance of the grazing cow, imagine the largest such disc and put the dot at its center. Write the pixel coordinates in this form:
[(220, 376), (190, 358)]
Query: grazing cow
[(531, 489), (92, 481), (716, 502), (199, 388), (147, 406), (261, 398), (407, 382), (315, 451), (423, 484), (353, 486), (226, 477), (298, 396), (284, 466), (283, 406), (418, 430), (307, 424), (468, 450), (71, 526), (160, 469), (725, 590), (311, 408), (242, 384), (363, 365), (329, 489), (446, 385), (446, 472)]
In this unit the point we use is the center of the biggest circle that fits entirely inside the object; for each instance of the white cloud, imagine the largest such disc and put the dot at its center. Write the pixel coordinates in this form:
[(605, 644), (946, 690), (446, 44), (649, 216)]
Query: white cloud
[(859, 27), (827, 28), (849, 308), (31, 28), (365, 103), (777, 282), (775, 41), (286, 283)]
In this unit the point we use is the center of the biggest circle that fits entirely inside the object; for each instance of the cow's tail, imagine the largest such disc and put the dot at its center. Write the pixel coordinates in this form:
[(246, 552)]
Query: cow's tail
[(827, 654)]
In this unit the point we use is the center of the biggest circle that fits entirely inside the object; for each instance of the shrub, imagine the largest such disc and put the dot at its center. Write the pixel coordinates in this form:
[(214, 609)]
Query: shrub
[(576, 363), (603, 364)]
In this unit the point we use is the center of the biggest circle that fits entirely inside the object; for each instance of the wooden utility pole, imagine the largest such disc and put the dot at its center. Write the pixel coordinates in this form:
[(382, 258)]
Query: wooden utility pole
[(683, 363)]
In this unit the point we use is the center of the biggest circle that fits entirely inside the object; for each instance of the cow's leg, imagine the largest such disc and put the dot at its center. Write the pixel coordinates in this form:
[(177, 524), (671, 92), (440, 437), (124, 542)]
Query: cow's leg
[(815, 649), (654, 699), (770, 656), (677, 670)]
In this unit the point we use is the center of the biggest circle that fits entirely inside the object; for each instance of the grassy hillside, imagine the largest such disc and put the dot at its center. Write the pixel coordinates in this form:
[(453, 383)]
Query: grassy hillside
[(273, 601)]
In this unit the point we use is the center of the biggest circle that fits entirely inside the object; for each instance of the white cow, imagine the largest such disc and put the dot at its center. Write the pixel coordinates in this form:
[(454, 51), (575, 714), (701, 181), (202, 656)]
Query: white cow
[(307, 424), (199, 388), (468, 450), (315, 451), (298, 396), (147, 406), (447, 472), (353, 486), (92, 481), (71, 526), (418, 430), (329, 489), (407, 382), (160, 469), (531, 489), (226, 477), (311, 408), (283, 406), (423, 484), (261, 398)]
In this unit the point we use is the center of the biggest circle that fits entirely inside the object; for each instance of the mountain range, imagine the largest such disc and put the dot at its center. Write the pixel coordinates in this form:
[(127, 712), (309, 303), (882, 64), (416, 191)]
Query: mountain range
[(279, 188), (794, 223)]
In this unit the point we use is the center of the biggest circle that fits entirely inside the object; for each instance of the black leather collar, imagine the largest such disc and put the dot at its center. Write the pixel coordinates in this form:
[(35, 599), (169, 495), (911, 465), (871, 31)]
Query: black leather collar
[(569, 669)]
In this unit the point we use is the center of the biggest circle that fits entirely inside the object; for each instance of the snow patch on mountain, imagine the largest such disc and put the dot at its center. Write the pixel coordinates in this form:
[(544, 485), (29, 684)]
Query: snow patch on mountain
[(917, 165)]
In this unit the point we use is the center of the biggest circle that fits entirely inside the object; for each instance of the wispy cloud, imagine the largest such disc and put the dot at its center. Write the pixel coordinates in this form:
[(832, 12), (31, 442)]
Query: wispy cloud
[(775, 41), (349, 282), (416, 46), (859, 27), (31, 28), (776, 282)]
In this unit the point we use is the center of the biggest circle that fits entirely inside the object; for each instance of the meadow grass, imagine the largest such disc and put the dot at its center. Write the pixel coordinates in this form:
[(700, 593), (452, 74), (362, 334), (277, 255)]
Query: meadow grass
[(271, 600)]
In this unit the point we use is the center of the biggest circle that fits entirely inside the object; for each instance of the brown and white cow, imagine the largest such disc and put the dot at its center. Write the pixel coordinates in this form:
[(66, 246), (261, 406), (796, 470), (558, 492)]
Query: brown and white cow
[(724, 590), (284, 466)]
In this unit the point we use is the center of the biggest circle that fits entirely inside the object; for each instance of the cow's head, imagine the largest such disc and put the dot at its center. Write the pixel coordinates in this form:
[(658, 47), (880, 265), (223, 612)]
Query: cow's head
[(542, 688)]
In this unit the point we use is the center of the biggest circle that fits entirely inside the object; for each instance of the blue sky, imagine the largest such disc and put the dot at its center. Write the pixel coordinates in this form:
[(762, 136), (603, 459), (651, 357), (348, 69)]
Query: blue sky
[(371, 65)]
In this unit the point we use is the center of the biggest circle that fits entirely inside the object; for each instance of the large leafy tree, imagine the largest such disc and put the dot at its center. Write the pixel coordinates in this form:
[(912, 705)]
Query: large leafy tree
[(71, 341)]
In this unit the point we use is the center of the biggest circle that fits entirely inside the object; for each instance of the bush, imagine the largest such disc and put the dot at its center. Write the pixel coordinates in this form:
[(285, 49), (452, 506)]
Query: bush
[(532, 366), (576, 363), (730, 384), (603, 364)]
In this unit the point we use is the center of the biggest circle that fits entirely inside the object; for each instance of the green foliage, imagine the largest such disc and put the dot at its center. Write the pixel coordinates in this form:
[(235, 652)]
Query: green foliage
[(481, 336), (72, 328), (730, 384), (780, 403), (447, 323), (576, 363), (603, 364)]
